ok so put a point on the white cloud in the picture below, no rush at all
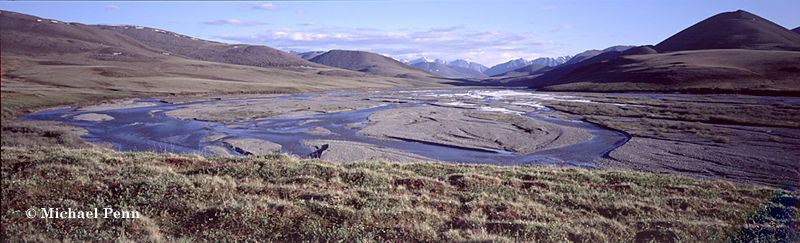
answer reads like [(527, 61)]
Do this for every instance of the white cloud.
[(447, 29), (266, 6), (485, 47), (112, 7), (300, 11), (308, 24), (234, 22)]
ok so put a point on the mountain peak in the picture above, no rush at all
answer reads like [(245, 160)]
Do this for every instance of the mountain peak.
[(732, 30)]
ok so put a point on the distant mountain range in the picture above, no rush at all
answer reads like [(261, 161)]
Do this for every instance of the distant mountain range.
[(425, 59), (371, 63), (729, 52), (448, 71), (307, 55), (467, 64), (732, 52), (512, 65)]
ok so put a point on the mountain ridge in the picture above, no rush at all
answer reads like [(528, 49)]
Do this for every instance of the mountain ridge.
[(732, 30), (240, 54), (448, 70), (371, 63), (763, 64)]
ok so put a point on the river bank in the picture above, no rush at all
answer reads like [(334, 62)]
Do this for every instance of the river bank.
[(671, 133)]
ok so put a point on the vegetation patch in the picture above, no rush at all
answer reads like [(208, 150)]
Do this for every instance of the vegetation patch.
[(276, 198)]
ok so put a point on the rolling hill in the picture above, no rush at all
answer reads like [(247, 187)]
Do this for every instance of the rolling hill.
[(527, 70), (732, 30), (372, 63), (49, 62), (250, 55), (749, 55)]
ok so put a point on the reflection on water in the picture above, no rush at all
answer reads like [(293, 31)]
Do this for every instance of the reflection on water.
[(149, 129)]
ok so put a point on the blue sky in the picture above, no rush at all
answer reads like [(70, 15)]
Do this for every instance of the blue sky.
[(487, 32)]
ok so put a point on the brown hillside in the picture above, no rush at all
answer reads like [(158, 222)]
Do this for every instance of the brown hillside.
[(49, 62), (250, 55), (701, 71), (527, 70), (30, 35), (371, 63), (732, 30), (728, 53)]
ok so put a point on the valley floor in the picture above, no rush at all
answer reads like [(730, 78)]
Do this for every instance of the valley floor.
[(748, 140)]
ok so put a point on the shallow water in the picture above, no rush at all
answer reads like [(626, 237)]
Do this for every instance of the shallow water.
[(149, 129)]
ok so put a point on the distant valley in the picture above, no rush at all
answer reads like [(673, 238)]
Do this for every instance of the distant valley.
[(750, 55)]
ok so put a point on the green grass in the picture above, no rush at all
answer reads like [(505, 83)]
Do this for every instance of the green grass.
[(276, 198)]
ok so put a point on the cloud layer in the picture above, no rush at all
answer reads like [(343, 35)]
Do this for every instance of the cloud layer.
[(266, 6), (450, 43), (234, 22)]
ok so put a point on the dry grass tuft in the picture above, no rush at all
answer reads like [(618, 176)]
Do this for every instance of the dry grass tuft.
[(276, 198)]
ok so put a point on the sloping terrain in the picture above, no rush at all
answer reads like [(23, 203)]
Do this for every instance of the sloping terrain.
[(307, 55), (527, 70), (250, 55), (743, 53), (449, 71), (372, 63), (701, 71), (732, 30), (467, 64), (49, 62)]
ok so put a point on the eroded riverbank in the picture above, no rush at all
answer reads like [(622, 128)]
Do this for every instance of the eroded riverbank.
[(743, 139), (502, 127)]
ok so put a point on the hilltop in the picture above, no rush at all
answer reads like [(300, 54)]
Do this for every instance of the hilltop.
[(749, 55), (173, 43), (48, 62), (372, 63)]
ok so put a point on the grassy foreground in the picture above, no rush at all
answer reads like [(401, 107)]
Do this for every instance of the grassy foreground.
[(276, 198)]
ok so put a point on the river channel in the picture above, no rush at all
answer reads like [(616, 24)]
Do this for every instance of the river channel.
[(151, 128)]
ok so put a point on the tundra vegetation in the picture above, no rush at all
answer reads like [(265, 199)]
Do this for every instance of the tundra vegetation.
[(278, 198)]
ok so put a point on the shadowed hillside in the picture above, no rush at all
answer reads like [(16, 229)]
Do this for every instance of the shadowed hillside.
[(732, 30), (527, 70), (30, 35), (371, 63), (730, 52), (449, 71)]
